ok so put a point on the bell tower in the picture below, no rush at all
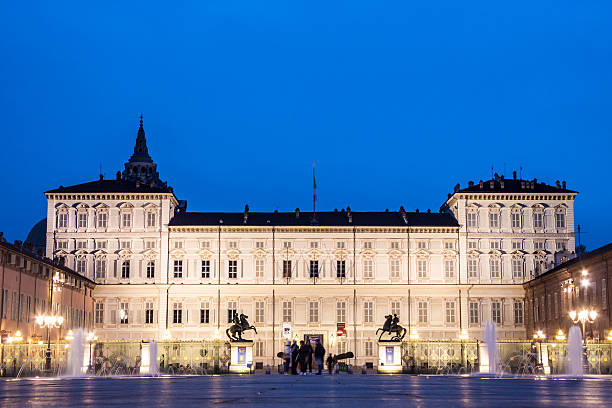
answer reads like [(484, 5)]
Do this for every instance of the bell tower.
[(140, 167)]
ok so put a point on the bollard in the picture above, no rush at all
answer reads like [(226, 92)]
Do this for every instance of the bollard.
[(267, 368)]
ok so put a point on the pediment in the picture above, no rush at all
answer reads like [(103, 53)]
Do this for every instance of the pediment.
[(394, 253), (368, 253), (205, 254), (125, 252), (149, 253), (99, 252), (449, 252), (233, 254), (422, 253)]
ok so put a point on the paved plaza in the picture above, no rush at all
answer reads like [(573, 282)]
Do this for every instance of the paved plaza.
[(307, 391)]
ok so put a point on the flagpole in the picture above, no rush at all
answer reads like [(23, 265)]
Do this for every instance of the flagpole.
[(314, 195)]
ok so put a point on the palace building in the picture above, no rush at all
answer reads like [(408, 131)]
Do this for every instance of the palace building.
[(164, 272)]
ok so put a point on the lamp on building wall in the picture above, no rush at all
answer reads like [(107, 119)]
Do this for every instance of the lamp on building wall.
[(463, 335), (414, 335), (560, 336), (166, 336), (610, 335)]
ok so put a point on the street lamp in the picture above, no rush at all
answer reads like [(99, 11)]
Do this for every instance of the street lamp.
[(583, 317), (91, 338), (560, 336), (49, 321), (539, 336)]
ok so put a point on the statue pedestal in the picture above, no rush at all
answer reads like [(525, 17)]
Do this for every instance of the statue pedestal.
[(241, 360), (389, 357)]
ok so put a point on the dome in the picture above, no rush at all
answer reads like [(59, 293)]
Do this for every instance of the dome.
[(37, 236)]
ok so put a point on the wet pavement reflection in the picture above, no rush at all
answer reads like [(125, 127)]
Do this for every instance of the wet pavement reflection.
[(307, 391)]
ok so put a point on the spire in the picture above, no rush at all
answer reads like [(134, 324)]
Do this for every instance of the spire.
[(141, 153), (141, 168)]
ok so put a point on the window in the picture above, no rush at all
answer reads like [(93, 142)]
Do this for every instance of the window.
[(517, 268), (494, 220), (604, 294), (517, 245), (367, 245), (81, 266), (368, 268), (102, 220), (126, 220), (15, 306), (314, 245), (396, 307), (538, 220), (178, 268), (472, 267), (259, 244), (100, 268), (259, 312), (125, 244), (259, 268), (62, 220), (561, 246), (99, 313), (515, 219), (518, 312), (204, 313), (560, 220), (205, 268), (341, 311), (151, 219), (259, 349), (340, 245), (472, 245), (101, 244), (178, 244), (233, 244), (422, 268), (474, 313), (496, 312), (340, 269), (286, 244), (232, 269), (287, 311), (495, 272), (177, 313), (231, 311), (148, 312), (125, 270), (123, 313), (204, 244), (150, 270), (449, 268), (286, 268), (449, 245), (494, 245), (395, 268), (538, 245), (368, 348), (394, 245), (313, 312), (450, 312), (422, 312), (556, 307), (368, 311), (150, 245), (314, 269), (82, 220), (472, 219), (62, 244), (421, 244)]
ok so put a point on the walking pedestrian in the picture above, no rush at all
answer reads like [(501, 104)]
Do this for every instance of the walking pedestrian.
[(330, 363), (319, 354)]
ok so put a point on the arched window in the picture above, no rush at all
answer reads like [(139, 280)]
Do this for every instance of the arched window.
[(125, 269), (150, 270)]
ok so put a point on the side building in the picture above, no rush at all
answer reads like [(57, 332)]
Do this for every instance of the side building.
[(163, 272)]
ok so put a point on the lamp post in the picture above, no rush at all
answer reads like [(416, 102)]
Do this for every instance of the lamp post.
[(49, 321), (583, 316), (91, 338), (539, 336)]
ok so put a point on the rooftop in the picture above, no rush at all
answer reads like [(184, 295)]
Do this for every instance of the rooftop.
[(499, 184), (110, 186)]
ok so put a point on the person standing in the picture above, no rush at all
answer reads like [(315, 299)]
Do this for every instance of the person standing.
[(319, 354), (302, 357), (330, 363), (287, 357), (294, 357), (309, 352)]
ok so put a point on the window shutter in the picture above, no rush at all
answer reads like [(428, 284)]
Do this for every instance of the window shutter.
[(113, 314), (115, 268), (140, 268), (242, 268)]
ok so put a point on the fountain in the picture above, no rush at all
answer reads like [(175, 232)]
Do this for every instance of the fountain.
[(153, 365), (490, 338), (75, 355), (574, 352)]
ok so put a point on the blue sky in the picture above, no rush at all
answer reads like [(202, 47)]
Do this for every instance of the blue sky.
[(395, 101)]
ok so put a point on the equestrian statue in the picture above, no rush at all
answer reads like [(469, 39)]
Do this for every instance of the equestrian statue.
[(392, 327), (240, 325)]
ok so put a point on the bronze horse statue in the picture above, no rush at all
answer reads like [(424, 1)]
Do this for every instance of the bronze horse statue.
[(391, 326), (234, 332)]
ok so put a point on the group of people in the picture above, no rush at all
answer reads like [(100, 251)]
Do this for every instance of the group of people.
[(300, 358)]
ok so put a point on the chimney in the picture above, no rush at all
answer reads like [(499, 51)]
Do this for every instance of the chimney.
[(2, 237), (429, 211), (522, 184), (297, 213), (417, 210), (481, 184), (457, 188), (403, 214), (470, 183), (449, 195), (558, 184), (514, 174), (563, 183), (349, 214), (118, 175), (496, 177), (492, 184), (246, 214), (101, 176), (501, 183), (335, 210)]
